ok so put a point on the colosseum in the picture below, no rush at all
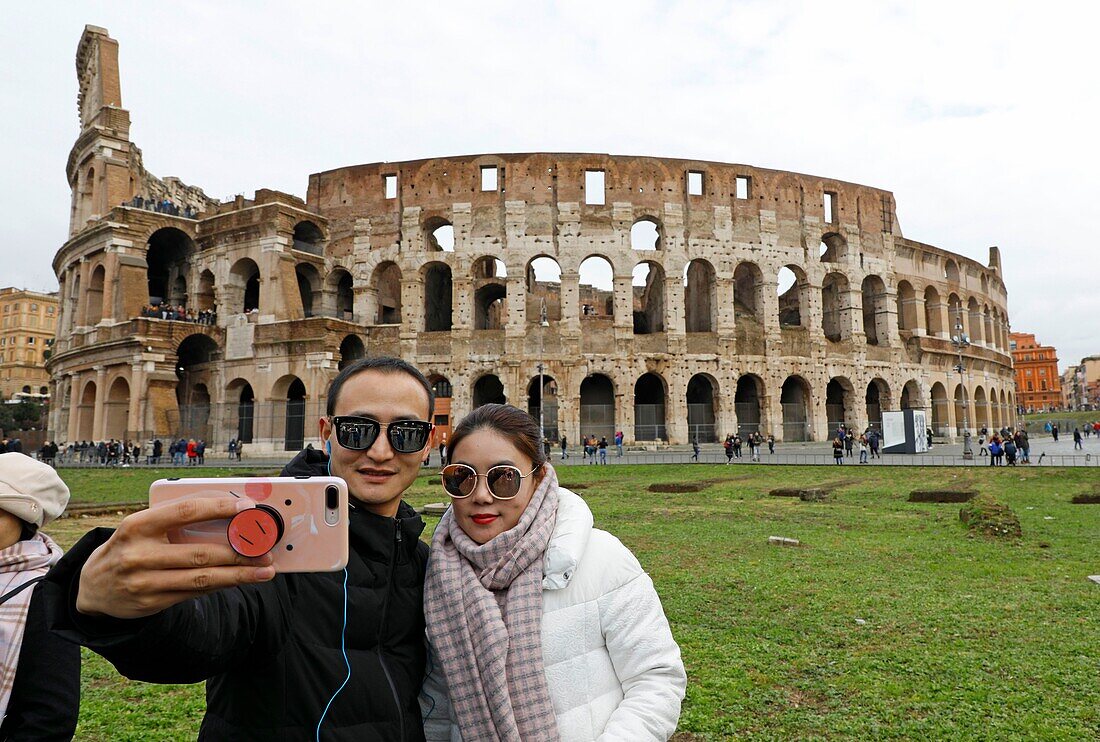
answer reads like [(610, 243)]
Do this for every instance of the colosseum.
[(670, 299)]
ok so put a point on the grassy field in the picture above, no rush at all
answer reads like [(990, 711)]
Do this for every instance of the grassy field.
[(1066, 420), (889, 622)]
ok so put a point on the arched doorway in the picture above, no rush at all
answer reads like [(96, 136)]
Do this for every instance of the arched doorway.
[(239, 393), (351, 350), (437, 297), (911, 396), (308, 238), (94, 302), (962, 409), (700, 408), (168, 256), (194, 358), (878, 398), (116, 410), (875, 327), (648, 298), (839, 407), (243, 289), (596, 288), (488, 390), (981, 409), (748, 404), (309, 288), (699, 291), (543, 285), (940, 410), (793, 291), (649, 408), (386, 281), (295, 437), (794, 398), (834, 307), (85, 413), (597, 407)]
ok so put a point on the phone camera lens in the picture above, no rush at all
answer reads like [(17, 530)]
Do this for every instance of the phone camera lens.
[(332, 498)]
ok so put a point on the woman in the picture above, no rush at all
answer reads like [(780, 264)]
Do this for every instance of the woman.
[(541, 626)]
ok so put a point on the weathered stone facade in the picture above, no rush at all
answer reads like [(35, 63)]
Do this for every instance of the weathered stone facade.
[(447, 262)]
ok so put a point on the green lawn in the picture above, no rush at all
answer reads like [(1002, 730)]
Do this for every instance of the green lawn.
[(889, 622)]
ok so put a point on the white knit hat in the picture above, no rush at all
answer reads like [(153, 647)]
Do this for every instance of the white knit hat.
[(30, 490)]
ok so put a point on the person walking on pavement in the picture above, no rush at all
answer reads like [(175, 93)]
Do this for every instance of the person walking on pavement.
[(695, 449)]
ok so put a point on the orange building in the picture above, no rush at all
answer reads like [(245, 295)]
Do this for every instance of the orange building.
[(1038, 385)]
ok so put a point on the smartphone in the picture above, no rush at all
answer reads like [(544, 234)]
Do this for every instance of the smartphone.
[(301, 521)]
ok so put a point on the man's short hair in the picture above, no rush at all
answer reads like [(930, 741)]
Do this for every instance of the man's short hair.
[(385, 364)]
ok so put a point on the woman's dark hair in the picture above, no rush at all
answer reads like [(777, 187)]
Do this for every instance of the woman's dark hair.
[(519, 428), (385, 364)]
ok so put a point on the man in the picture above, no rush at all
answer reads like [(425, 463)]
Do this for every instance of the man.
[(270, 646), (695, 448)]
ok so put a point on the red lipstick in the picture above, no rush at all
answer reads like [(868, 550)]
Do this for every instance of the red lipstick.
[(483, 519)]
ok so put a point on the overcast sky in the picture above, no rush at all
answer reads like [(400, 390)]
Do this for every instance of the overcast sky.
[(980, 117)]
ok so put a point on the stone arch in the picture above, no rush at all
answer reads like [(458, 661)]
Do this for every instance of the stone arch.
[(597, 288), (955, 315), (650, 396), (648, 297), (797, 402), (877, 399), (911, 398), (94, 301), (951, 270), (438, 312), (700, 286), (543, 285), (85, 413), (488, 389), (987, 322), (646, 234), (748, 291), (547, 398), (351, 350), (835, 320), (308, 237), (702, 412), (195, 357), (490, 293), (289, 392), (239, 394), (340, 294), (793, 290), (748, 404), (598, 413), (309, 288), (907, 306), (974, 321), (833, 248), (875, 325), (206, 295), (933, 314), (839, 403), (243, 287), (386, 282), (116, 410), (940, 410), (168, 256), (981, 409), (439, 235)]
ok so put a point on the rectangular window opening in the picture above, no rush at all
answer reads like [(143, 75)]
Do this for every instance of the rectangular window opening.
[(828, 202), (489, 178), (594, 187), (695, 183), (744, 189), (390, 182)]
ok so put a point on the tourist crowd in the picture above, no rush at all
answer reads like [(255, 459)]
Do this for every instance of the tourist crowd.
[(161, 206), (180, 314)]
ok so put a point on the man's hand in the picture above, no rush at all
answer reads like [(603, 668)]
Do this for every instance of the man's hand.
[(137, 572)]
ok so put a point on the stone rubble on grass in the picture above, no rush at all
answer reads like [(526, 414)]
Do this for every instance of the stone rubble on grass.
[(1095, 578), (861, 621), (783, 541)]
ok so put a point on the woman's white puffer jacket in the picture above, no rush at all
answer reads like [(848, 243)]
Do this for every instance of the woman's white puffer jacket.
[(613, 669)]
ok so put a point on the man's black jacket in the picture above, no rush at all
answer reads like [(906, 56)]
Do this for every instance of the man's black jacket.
[(271, 652)]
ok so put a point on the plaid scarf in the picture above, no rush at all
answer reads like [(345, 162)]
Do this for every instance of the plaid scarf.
[(19, 563), (483, 608)]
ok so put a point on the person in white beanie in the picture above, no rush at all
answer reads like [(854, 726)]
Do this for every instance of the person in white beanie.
[(39, 671)]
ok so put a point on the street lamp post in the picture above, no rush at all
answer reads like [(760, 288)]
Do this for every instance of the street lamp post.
[(960, 341), (543, 324)]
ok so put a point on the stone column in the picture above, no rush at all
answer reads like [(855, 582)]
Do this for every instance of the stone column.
[(99, 419), (676, 413), (570, 308), (74, 406)]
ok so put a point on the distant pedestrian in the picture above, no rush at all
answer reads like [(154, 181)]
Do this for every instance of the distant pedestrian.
[(1077, 439), (849, 444), (619, 442), (602, 445), (564, 448), (771, 443), (928, 433), (727, 445), (695, 449), (863, 449), (1010, 451), (995, 451), (981, 446), (838, 450), (737, 443)]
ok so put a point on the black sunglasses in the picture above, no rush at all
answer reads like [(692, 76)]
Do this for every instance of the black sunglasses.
[(504, 481), (360, 433)]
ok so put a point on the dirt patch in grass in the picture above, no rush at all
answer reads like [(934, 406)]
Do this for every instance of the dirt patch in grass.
[(812, 492), (1086, 498), (942, 495), (987, 517), (677, 487)]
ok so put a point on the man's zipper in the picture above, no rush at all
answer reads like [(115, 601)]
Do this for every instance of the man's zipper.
[(382, 627)]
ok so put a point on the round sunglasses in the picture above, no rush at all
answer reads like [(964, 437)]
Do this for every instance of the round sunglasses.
[(504, 481), (360, 433)]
